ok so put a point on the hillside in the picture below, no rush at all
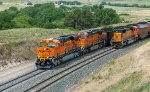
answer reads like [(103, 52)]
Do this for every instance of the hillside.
[(129, 73), (140, 2), (20, 44), (45, 1), (84, 1)]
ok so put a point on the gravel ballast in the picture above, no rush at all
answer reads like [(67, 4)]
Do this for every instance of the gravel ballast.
[(69, 81), (75, 77)]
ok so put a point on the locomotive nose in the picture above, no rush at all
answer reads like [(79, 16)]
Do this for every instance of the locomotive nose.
[(44, 53)]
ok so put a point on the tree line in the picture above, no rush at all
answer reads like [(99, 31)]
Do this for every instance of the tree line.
[(69, 3), (49, 16), (125, 5)]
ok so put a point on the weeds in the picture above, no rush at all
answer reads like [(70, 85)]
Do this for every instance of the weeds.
[(112, 62), (97, 77), (22, 42), (127, 84), (144, 88)]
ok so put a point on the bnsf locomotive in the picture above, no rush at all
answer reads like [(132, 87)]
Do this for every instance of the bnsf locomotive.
[(125, 35), (54, 51)]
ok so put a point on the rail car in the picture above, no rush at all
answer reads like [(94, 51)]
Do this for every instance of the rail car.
[(54, 51), (125, 35)]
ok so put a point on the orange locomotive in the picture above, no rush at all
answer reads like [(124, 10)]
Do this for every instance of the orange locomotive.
[(54, 51), (128, 34), (90, 40)]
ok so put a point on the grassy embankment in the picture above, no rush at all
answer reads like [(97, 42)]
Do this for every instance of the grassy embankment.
[(140, 2), (21, 43), (132, 14), (11, 1), (129, 73), (20, 39)]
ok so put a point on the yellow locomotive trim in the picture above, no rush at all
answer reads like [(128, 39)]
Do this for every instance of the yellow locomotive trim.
[(43, 58), (117, 37)]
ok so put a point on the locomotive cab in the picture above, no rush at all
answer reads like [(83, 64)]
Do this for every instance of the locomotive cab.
[(83, 39), (119, 37), (46, 51), (52, 52)]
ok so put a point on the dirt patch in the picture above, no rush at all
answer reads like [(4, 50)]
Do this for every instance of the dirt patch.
[(9, 56), (124, 74), (137, 12)]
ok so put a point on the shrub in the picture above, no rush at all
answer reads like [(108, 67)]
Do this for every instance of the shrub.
[(1, 3)]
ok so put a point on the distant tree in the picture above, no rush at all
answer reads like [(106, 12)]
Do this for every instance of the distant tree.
[(48, 16), (6, 17), (103, 3), (13, 9), (1, 3), (80, 19), (21, 21), (106, 16), (97, 7), (29, 3), (87, 19), (135, 5), (64, 9)]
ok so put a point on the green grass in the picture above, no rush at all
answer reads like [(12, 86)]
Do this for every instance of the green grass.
[(125, 8), (11, 1), (128, 84), (16, 36), (143, 88), (130, 15), (140, 2)]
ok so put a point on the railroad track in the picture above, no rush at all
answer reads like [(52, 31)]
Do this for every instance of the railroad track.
[(19, 79), (51, 80), (40, 86)]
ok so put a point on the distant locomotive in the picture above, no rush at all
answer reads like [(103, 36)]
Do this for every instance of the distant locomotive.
[(52, 52), (128, 34)]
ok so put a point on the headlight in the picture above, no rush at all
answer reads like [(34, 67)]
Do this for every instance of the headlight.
[(47, 57)]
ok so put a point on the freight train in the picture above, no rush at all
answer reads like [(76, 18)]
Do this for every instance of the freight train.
[(54, 51)]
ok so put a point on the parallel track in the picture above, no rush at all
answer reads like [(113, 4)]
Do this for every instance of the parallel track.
[(20, 79), (53, 79), (62, 74)]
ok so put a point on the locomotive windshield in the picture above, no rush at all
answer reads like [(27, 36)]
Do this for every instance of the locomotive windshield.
[(51, 44), (42, 44), (83, 36)]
